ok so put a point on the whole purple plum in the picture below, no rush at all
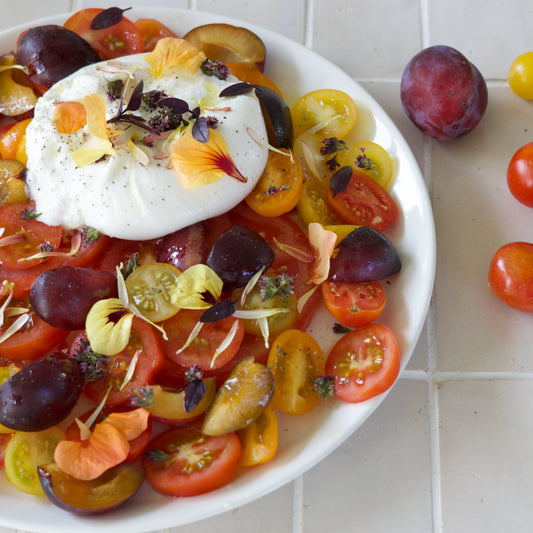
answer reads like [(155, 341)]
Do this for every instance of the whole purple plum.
[(443, 93)]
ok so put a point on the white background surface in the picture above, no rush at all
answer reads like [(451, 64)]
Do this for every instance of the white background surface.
[(449, 450)]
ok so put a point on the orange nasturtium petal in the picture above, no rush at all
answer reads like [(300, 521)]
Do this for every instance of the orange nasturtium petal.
[(107, 446), (323, 243), (174, 53), (197, 163), (69, 117)]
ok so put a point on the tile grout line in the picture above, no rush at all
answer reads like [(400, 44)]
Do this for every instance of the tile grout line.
[(298, 505)]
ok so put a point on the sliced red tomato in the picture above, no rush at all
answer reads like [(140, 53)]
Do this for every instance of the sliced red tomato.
[(118, 40), (365, 362), (184, 462), (143, 339), (152, 30), (137, 445), (295, 361), (33, 340), (364, 202), (202, 350), (121, 250), (29, 234), (354, 304)]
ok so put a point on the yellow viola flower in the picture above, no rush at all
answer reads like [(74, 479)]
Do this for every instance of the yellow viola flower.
[(172, 53), (192, 286)]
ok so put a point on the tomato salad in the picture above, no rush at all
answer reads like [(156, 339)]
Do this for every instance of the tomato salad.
[(184, 394)]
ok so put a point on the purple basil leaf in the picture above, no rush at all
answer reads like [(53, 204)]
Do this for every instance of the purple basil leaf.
[(193, 394), (131, 119), (339, 181), (176, 105), (237, 89), (195, 113), (219, 311), (108, 17), (200, 130), (136, 97)]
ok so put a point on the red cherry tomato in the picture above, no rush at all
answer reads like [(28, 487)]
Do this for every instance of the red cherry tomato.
[(354, 304), (184, 462), (364, 203), (365, 362), (511, 275), (33, 235), (144, 338), (118, 40), (202, 350), (520, 175), (152, 30)]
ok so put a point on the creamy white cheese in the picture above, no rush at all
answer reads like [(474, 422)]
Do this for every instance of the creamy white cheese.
[(120, 196)]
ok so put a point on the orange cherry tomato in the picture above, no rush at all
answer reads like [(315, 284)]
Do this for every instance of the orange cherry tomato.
[(278, 190), (259, 440), (295, 361), (10, 140), (364, 363), (354, 304), (118, 40), (152, 30)]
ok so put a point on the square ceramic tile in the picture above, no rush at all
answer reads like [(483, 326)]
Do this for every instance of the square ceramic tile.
[(474, 215), (367, 39), (490, 34), (486, 430), (379, 480)]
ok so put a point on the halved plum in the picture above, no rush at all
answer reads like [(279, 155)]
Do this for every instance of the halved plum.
[(228, 43), (101, 495)]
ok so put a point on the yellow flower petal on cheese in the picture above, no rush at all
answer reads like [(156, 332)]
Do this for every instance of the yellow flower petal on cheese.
[(91, 151), (197, 163), (173, 53)]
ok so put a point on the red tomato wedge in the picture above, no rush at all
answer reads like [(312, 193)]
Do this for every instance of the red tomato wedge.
[(152, 30), (184, 462), (118, 40), (364, 202), (365, 362)]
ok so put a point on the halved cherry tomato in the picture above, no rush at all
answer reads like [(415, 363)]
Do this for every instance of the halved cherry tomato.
[(25, 451), (520, 175), (203, 349), (33, 340), (120, 250), (313, 204), (278, 190), (10, 140), (371, 158), (365, 362), (259, 440), (328, 112), (185, 462), (354, 304), (137, 445), (511, 275), (295, 361), (152, 30), (364, 203), (307, 149), (250, 73), (118, 40), (150, 288), (144, 339), (33, 235)]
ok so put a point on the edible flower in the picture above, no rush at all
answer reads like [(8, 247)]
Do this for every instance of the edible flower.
[(200, 163), (197, 288), (323, 243), (69, 117), (105, 447), (172, 53), (98, 143)]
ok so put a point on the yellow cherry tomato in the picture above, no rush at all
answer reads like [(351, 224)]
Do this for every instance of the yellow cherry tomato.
[(328, 112), (295, 361), (279, 188), (307, 150), (259, 440), (313, 204), (371, 158), (520, 76)]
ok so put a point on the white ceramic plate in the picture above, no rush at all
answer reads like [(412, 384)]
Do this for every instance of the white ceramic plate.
[(305, 440)]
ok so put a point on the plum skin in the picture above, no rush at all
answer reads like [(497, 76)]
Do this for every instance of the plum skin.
[(442, 93)]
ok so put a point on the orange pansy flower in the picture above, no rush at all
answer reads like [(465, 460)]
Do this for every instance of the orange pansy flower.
[(69, 117)]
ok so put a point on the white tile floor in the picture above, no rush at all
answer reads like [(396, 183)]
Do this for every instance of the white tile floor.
[(449, 451)]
